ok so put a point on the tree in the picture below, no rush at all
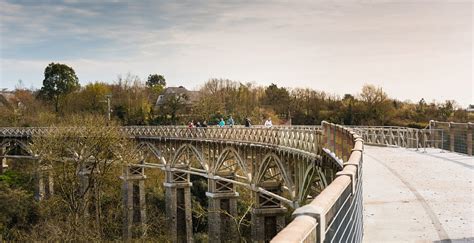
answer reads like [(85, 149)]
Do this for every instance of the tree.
[(59, 80), (377, 105), (277, 98), (173, 104), (156, 81), (84, 163)]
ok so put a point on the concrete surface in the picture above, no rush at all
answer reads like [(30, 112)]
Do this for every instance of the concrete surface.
[(416, 196)]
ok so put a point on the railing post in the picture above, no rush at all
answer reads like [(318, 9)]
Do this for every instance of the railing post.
[(133, 193), (178, 206), (451, 137), (221, 210), (469, 138)]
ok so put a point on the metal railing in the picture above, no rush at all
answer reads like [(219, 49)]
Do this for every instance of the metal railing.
[(302, 138), (335, 215), (455, 137)]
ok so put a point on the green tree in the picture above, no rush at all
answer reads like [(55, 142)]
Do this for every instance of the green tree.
[(59, 80), (156, 82), (278, 99)]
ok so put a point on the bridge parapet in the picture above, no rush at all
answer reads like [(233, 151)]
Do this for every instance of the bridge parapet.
[(335, 215), (304, 138), (455, 137)]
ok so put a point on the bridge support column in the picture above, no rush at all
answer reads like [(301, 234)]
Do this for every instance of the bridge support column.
[(178, 206), (268, 217), (3, 162), (44, 183), (133, 192), (222, 207)]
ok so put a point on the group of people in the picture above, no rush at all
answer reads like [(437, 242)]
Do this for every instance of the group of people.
[(230, 122)]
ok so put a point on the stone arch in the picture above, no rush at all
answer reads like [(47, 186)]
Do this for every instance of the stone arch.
[(192, 150), (313, 181), (221, 159), (10, 144), (145, 146), (272, 168)]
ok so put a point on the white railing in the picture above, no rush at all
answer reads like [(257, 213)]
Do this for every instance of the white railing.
[(455, 137)]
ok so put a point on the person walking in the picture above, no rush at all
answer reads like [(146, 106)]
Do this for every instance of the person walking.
[(247, 122), (268, 123), (221, 123), (230, 122), (204, 124)]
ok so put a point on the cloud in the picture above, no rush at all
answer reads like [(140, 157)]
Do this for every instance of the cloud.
[(336, 46)]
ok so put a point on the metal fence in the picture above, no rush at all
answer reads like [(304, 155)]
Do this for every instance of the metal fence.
[(336, 214), (455, 137)]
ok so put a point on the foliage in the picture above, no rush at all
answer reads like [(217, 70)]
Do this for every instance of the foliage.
[(59, 80), (97, 152)]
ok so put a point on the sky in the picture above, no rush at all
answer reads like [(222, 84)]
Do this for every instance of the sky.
[(412, 49)]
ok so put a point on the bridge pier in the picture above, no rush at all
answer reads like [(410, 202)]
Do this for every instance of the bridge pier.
[(44, 183), (133, 192), (268, 216), (3, 163), (178, 206), (222, 208)]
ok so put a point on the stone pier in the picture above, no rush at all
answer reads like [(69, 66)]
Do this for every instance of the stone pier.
[(133, 192), (178, 206), (222, 210), (44, 183), (268, 216)]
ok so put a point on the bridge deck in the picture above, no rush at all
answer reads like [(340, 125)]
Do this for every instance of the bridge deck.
[(412, 196)]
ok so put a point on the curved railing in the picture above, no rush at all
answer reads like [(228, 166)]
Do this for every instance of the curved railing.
[(455, 137), (302, 138), (335, 215)]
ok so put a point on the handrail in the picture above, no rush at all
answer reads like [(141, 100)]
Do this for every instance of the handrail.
[(455, 137), (302, 138), (336, 213)]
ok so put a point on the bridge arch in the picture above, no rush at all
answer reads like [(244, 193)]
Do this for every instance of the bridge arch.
[(8, 145), (239, 162), (272, 168), (188, 149)]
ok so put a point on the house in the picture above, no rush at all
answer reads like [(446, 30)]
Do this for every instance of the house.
[(470, 108), (189, 97)]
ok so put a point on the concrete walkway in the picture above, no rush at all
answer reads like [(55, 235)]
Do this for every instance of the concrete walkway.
[(412, 196)]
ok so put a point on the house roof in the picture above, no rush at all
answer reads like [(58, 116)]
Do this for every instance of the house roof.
[(192, 95)]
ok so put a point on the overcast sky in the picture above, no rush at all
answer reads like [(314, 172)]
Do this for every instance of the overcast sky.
[(412, 49)]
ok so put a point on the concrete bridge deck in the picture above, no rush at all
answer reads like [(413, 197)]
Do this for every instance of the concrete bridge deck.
[(415, 196)]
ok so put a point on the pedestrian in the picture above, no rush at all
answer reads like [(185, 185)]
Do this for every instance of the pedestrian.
[(198, 124), (268, 123), (221, 123), (191, 124), (204, 124), (230, 122), (247, 122)]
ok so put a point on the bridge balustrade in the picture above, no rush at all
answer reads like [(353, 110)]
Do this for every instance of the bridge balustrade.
[(335, 215), (455, 137)]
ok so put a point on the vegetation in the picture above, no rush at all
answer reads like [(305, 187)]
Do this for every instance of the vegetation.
[(133, 102), (91, 208)]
